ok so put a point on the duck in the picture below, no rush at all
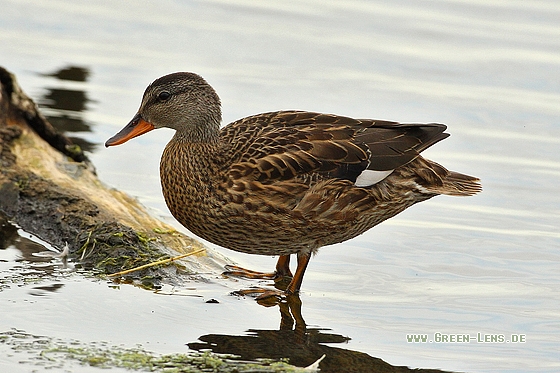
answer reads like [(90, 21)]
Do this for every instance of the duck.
[(285, 182)]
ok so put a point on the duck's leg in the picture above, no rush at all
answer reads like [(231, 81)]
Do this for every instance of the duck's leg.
[(293, 287), (295, 284), (282, 270), (283, 266)]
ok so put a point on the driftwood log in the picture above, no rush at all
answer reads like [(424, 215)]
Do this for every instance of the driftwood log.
[(49, 188)]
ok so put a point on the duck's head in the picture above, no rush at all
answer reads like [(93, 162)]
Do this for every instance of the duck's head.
[(182, 101)]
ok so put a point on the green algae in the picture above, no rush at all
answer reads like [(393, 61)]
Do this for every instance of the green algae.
[(112, 248), (51, 353)]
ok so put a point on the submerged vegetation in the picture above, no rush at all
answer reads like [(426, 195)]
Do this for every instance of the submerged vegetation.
[(53, 353)]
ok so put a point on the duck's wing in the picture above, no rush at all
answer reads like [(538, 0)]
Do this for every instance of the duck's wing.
[(306, 146)]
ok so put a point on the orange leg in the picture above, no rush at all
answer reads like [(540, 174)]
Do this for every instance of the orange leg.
[(283, 266), (282, 270), (295, 284)]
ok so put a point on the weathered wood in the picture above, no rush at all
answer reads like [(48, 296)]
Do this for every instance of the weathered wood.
[(49, 188)]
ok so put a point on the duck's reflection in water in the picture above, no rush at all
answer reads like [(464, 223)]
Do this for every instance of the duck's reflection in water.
[(302, 346)]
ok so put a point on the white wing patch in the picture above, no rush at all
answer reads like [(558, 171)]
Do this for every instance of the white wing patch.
[(370, 177)]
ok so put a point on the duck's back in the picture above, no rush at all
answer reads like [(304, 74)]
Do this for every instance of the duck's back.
[(333, 141)]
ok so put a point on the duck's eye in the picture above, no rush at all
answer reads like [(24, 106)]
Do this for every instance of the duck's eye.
[(164, 96)]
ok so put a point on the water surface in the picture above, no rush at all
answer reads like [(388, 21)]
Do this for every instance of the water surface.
[(482, 265)]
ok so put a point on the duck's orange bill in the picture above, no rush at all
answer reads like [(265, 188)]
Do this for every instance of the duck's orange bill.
[(136, 127)]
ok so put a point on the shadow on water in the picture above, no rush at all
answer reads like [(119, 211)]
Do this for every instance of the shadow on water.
[(302, 346), (64, 107), (19, 249), (10, 238)]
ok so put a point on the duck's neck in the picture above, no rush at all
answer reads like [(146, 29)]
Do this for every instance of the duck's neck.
[(199, 133)]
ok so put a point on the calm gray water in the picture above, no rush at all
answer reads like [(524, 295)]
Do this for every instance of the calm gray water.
[(489, 69)]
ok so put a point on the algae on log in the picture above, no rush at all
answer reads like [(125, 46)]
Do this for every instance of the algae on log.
[(49, 188)]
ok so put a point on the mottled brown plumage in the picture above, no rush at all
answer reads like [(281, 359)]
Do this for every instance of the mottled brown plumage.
[(286, 182)]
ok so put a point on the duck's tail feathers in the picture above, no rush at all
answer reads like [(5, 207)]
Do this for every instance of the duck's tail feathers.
[(436, 179), (456, 184)]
